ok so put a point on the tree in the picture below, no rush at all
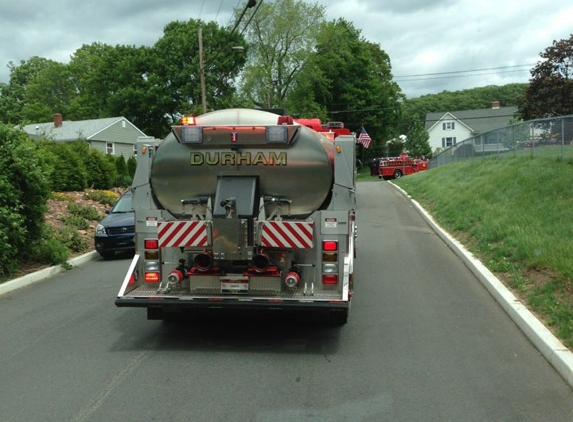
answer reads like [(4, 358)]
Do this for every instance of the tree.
[(12, 95), (350, 78), (550, 91), (417, 142), (175, 69), (281, 36), (49, 92)]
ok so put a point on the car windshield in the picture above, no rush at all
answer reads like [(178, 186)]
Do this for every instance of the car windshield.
[(123, 204)]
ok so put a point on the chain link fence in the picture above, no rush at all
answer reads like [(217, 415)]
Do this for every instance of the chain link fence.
[(552, 137)]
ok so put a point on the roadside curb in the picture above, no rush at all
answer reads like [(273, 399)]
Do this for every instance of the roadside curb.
[(555, 352), (44, 274)]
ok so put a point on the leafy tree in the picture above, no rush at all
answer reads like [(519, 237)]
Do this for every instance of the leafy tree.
[(350, 78), (50, 91), (113, 81), (281, 36), (417, 142), (175, 68), (12, 95), (24, 190), (550, 91)]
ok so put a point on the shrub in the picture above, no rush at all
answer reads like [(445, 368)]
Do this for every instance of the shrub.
[(131, 166), (75, 221), (49, 249), (68, 170), (106, 197), (70, 237), (101, 173), (88, 213), (24, 190)]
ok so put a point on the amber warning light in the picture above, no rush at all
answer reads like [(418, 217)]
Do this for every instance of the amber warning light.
[(188, 121)]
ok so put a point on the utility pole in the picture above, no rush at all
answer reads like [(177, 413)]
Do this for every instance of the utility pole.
[(202, 72)]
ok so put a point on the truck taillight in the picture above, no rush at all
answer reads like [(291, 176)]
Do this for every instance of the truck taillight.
[(151, 244), (151, 273), (329, 245), (329, 278), (330, 262), (152, 277)]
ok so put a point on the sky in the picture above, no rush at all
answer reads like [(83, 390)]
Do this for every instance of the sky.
[(433, 45)]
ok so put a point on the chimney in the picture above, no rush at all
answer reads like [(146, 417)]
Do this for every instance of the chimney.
[(495, 105), (57, 120)]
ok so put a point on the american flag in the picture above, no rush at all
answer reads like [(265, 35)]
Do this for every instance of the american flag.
[(364, 138)]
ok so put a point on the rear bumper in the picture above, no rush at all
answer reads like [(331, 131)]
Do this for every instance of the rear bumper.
[(175, 304)]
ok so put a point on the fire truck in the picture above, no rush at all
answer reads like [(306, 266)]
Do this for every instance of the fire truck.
[(243, 209), (396, 167)]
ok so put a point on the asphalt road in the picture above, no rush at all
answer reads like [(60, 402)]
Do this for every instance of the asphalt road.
[(424, 342)]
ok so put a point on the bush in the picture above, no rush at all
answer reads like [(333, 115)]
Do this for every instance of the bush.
[(70, 237), (68, 171), (24, 190), (101, 173), (106, 197), (89, 213), (131, 166), (50, 249)]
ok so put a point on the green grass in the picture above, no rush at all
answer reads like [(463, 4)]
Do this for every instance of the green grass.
[(516, 215)]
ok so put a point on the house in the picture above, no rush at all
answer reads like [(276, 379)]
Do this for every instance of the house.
[(113, 135), (450, 128)]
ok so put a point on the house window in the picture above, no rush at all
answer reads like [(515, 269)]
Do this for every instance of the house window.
[(448, 125), (109, 148), (448, 142)]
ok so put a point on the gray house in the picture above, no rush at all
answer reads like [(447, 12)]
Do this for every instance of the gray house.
[(113, 135), (450, 128)]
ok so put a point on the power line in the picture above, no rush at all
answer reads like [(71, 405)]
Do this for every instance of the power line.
[(465, 73)]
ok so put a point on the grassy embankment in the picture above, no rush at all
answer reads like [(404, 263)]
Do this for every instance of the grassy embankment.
[(516, 216)]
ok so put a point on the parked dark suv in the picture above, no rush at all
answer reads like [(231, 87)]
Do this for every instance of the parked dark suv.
[(116, 231)]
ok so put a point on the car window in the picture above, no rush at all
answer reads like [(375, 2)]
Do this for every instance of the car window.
[(123, 204)]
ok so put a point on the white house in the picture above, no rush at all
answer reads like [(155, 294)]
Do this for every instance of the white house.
[(452, 127), (113, 135)]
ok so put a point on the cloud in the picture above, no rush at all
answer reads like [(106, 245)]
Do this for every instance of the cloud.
[(421, 37)]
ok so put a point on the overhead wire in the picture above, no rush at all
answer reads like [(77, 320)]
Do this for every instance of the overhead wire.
[(464, 73)]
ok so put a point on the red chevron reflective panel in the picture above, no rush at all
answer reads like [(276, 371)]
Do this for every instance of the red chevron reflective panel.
[(174, 234), (287, 234)]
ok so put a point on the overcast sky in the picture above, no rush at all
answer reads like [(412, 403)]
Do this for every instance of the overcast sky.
[(433, 45)]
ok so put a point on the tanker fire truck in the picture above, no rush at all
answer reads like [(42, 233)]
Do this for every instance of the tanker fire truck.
[(243, 209), (396, 167)]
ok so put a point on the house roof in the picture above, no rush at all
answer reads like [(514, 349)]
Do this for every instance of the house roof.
[(478, 121), (72, 130)]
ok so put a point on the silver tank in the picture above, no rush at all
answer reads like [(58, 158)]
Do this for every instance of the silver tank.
[(305, 177)]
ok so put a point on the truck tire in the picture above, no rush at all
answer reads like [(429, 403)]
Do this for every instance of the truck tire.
[(398, 174)]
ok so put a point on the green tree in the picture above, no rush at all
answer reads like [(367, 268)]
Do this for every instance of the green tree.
[(50, 91), (24, 190), (175, 68), (417, 142), (550, 91), (113, 81), (12, 95), (281, 37), (350, 78)]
